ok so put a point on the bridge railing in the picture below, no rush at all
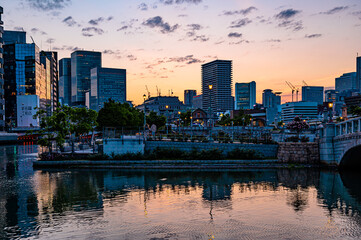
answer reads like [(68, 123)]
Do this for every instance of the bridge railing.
[(347, 127)]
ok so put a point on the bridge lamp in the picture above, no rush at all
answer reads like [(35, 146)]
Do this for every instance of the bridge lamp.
[(210, 87), (330, 105)]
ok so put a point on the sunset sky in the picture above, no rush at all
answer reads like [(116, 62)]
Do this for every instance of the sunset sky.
[(164, 42)]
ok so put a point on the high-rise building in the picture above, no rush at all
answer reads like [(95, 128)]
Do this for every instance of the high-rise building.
[(245, 95), (65, 81), (198, 101), (358, 73), (54, 77), (188, 97), (271, 102), (2, 97), (11, 37), (346, 82), (270, 99), (304, 110), (107, 83), (81, 64), (312, 94), (331, 95), (217, 86), (25, 75)]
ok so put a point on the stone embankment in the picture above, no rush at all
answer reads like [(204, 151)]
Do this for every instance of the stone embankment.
[(302, 153)]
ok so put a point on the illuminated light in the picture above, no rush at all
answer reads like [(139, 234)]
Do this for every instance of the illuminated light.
[(210, 87)]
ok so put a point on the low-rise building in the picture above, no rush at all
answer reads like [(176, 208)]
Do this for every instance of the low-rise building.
[(305, 110)]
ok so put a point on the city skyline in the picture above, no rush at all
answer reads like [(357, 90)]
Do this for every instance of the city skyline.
[(269, 43)]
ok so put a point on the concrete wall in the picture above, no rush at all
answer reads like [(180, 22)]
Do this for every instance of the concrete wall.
[(267, 150), (122, 146), (304, 153)]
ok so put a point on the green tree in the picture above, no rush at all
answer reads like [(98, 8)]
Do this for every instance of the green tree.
[(355, 110), (117, 115), (186, 117), (158, 120)]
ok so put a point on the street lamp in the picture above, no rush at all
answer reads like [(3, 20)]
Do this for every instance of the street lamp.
[(210, 111), (145, 120), (166, 107)]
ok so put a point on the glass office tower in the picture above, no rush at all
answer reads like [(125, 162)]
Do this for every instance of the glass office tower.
[(312, 94), (65, 81), (81, 64), (24, 75), (245, 95), (2, 99), (11, 37), (107, 83), (54, 77), (188, 97)]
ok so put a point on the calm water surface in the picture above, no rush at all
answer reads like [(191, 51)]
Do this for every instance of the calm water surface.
[(258, 204)]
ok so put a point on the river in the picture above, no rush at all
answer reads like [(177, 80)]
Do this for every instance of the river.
[(139, 204)]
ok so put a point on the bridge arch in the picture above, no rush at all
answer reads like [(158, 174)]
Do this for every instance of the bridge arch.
[(352, 158)]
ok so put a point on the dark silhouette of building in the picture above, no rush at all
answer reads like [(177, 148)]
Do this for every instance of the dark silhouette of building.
[(65, 81), (2, 97), (188, 97)]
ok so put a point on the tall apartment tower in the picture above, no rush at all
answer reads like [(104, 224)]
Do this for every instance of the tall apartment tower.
[(188, 97), (245, 95), (217, 86), (65, 81), (2, 97), (81, 64), (107, 83)]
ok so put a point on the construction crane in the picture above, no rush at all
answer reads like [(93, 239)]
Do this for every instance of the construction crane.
[(157, 91), (294, 89), (146, 87), (305, 83)]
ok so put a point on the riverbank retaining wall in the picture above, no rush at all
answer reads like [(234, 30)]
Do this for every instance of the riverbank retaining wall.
[(267, 150), (304, 153)]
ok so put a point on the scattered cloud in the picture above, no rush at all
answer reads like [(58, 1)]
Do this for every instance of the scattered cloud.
[(335, 10), (18, 28), (127, 25), (99, 20), (286, 18), (182, 15), (37, 31), (357, 14), (157, 22), (50, 40), (70, 22), (66, 48), (287, 14), (240, 12), (234, 35), (274, 40), (172, 2), (143, 7), (318, 35), (48, 5), (189, 59), (240, 23), (131, 57), (90, 31)]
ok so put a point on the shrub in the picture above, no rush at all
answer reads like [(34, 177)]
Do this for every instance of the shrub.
[(292, 139), (304, 139), (245, 154)]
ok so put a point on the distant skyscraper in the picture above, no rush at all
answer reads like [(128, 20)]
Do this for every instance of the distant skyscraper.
[(107, 83), (54, 77), (347, 82), (81, 64), (245, 95), (271, 102), (270, 99), (2, 97), (312, 94), (188, 97), (331, 95), (25, 75), (11, 37), (198, 101), (358, 73), (217, 86), (65, 81)]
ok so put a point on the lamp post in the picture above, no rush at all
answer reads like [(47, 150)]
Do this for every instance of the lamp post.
[(166, 115), (145, 120), (330, 110), (210, 87)]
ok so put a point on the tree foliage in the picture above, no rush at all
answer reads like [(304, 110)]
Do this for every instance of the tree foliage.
[(298, 125), (239, 120), (355, 110), (158, 120), (186, 117), (117, 115), (63, 123)]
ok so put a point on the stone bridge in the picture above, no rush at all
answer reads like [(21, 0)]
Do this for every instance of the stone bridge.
[(340, 143)]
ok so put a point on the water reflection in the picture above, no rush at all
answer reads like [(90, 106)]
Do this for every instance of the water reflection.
[(285, 203)]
